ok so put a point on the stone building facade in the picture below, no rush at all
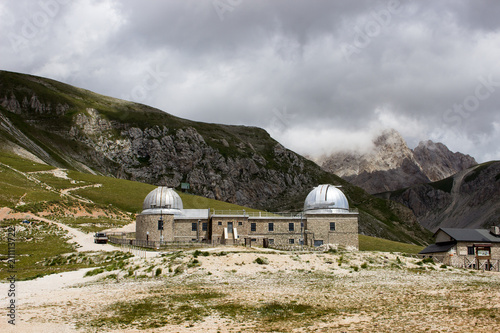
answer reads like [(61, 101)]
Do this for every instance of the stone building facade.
[(326, 219), (468, 248)]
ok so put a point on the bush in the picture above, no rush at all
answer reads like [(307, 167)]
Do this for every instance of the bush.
[(94, 272), (158, 272), (364, 265)]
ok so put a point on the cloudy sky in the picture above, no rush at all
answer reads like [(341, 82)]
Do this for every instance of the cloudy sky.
[(319, 75)]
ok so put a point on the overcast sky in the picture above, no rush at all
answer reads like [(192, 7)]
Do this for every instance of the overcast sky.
[(320, 76)]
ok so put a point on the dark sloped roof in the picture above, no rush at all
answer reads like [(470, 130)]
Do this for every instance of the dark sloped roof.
[(440, 247), (471, 235)]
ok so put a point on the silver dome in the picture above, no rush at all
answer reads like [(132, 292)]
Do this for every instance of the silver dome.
[(162, 200), (326, 199)]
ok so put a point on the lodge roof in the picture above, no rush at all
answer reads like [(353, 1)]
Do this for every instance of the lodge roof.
[(470, 235)]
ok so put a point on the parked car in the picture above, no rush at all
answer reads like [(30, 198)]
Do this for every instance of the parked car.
[(100, 237)]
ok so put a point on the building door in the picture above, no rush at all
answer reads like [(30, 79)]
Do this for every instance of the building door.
[(229, 227)]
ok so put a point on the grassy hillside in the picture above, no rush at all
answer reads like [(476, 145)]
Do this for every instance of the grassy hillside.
[(368, 243), (36, 189)]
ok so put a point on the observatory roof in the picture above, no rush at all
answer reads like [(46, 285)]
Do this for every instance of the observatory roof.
[(162, 200), (326, 199)]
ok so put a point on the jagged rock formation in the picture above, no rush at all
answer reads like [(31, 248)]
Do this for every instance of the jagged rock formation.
[(469, 199), (77, 129), (392, 165)]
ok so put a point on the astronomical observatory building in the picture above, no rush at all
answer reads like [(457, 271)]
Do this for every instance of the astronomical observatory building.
[(326, 219)]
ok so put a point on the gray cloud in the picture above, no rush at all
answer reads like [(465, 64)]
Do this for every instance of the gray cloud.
[(332, 71)]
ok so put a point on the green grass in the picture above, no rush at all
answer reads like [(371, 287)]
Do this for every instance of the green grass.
[(93, 224), (444, 185), (32, 247), (368, 243), (22, 164)]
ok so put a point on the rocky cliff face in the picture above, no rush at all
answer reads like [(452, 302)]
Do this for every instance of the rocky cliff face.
[(392, 164), (469, 199), (438, 162)]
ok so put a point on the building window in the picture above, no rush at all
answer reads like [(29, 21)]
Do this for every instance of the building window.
[(318, 242), (291, 226), (194, 226), (271, 241), (470, 250), (254, 239), (271, 226), (240, 223), (291, 241), (332, 226), (253, 226), (204, 226), (219, 223)]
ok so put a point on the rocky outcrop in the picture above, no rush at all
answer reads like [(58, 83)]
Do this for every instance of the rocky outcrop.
[(438, 162), (392, 165)]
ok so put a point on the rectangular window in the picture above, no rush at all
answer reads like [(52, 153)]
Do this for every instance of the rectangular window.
[(271, 241), (332, 226), (270, 226), (253, 226), (470, 250), (240, 223), (291, 226), (291, 241), (254, 239), (204, 226), (318, 242), (219, 223), (194, 226)]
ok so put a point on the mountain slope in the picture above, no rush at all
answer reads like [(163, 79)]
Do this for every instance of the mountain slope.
[(392, 165), (469, 199), (76, 129)]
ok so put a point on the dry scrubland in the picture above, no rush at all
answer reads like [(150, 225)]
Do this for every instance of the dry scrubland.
[(239, 290)]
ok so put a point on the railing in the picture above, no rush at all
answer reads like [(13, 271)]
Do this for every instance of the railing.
[(251, 214), (159, 244), (296, 248), (468, 262), (267, 214)]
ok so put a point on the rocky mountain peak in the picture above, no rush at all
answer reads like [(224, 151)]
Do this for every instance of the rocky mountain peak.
[(391, 164)]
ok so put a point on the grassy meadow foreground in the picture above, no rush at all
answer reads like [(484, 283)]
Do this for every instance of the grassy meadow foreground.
[(252, 290)]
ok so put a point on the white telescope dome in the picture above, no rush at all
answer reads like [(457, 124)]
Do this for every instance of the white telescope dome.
[(162, 200), (326, 199)]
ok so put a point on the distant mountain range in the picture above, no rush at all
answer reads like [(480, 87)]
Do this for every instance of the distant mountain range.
[(73, 128), (468, 199), (392, 165)]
